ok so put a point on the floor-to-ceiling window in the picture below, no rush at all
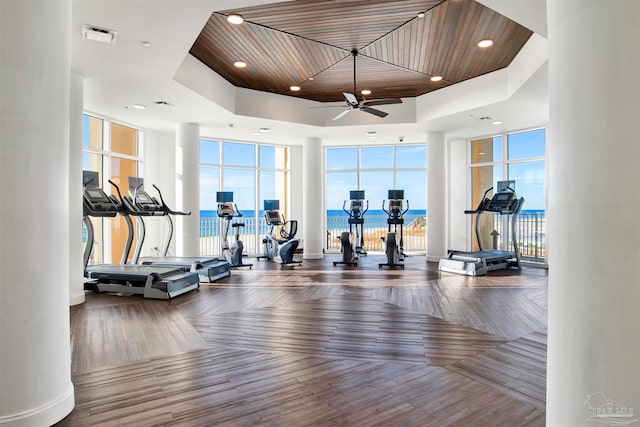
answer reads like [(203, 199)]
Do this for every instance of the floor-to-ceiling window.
[(113, 150), (376, 170), (254, 173), (518, 156)]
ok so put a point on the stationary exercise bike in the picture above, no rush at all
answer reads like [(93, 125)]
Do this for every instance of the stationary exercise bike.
[(395, 219), (227, 210), (279, 249), (352, 241)]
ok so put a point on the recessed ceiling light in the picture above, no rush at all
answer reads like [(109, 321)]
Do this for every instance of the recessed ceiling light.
[(421, 15), (310, 78), (256, 133), (294, 88), (436, 78), (365, 92), (235, 18), (146, 44), (139, 106), (485, 43), (240, 64), (496, 122), (264, 130)]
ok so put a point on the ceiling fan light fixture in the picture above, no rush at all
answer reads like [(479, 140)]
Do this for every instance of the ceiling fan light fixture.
[(294, 88), (485, 43), (365, 92), (239, 64), (235, 19), (436, 78)]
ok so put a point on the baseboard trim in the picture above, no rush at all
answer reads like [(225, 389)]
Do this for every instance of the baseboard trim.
[(44, 415)]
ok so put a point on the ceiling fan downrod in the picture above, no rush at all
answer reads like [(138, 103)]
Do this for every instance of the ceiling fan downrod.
[(354, 53)]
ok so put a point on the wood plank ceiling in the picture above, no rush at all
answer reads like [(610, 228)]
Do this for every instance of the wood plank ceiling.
[(309, 42)]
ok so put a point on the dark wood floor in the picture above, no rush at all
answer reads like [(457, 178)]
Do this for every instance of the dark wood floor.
[(318, 345)]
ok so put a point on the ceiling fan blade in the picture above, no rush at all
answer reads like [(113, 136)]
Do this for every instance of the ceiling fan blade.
[(374, 111), (351, 98), (341, 114), (383, 102)]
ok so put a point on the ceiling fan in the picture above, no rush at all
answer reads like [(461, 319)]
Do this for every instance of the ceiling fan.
[(363, 105)]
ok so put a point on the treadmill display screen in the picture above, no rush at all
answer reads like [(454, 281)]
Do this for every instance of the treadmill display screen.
[(273, 217), (97, 195)]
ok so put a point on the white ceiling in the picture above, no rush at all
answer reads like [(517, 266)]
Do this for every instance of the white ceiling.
[(116, 76)]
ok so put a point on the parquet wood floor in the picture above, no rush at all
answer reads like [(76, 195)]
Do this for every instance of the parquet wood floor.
[(317, 345)]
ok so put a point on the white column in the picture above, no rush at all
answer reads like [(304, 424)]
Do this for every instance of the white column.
[(312, 227), (160, 169), (594, 200), (296, 188), (436, 196), (188, 189), (458, 198), (76, 248), (35, 372)]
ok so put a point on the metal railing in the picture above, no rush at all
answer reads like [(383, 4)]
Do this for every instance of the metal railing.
[(210, 236), (530, 229), (375, 227), (531, 235)]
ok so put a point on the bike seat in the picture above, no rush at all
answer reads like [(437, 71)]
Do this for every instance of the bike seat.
[(237, 224)]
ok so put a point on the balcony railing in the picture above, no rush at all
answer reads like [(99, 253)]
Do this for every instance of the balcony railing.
[(531, 235), (375, 227), (530, 229)]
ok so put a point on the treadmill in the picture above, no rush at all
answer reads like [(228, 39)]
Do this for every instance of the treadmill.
[(141, 204), (149, 281), (478, 263)]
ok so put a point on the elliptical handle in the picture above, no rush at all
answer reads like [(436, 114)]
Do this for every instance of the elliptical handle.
[(406, 210), (344, 208), (385, 211), (238, 213), (366, 209)]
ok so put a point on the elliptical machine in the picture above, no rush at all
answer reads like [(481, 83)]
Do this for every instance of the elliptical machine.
[(227, 210), (394, 248), (284, 248), (352, 241)]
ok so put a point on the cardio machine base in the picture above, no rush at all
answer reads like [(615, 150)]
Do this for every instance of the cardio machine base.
[(150, 281), (395, 254), (209, 269), (478, 263)]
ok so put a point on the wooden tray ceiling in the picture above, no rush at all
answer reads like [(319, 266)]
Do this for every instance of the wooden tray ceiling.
[(285, 44)]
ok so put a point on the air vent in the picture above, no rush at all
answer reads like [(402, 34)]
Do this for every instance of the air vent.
[(99, 34)]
